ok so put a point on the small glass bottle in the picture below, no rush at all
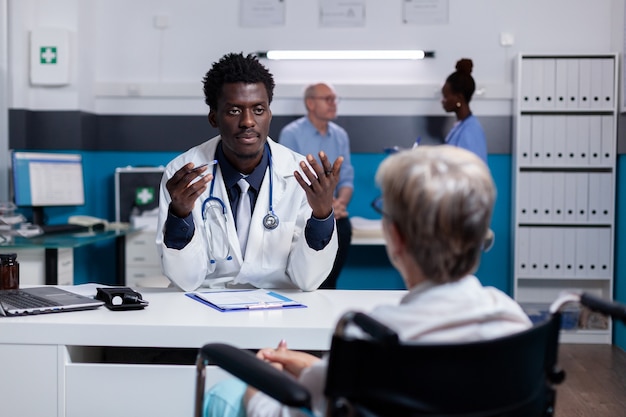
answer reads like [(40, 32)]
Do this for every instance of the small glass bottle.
[(9, 271)]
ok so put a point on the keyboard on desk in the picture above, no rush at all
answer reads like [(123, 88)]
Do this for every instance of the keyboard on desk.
[(50, 229), (22, 299)]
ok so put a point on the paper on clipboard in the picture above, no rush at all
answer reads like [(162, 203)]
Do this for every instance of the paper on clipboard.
[(236, 300)]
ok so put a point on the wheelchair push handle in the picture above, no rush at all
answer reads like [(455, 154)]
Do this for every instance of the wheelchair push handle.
[(369, 325), (611, 308)]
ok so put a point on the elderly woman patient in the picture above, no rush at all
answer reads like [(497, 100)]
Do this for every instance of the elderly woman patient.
[(436, 206)]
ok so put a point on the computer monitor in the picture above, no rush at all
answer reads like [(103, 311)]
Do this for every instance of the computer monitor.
[(47, 180)]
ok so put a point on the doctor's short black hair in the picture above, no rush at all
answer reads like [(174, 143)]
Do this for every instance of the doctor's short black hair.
[(235, 68)]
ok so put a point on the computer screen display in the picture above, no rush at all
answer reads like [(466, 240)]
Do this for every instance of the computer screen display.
[(47, 179)]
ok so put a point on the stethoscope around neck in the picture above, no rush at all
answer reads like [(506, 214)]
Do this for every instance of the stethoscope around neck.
[(270, 221)]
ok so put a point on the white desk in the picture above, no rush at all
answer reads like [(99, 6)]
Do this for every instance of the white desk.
[(54, 358)]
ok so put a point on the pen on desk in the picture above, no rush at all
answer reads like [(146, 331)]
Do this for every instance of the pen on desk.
[(261, 306)]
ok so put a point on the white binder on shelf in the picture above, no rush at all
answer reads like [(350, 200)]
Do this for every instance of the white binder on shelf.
[(595, 198), (523, 245), (560, 86), (608, 83), (607, 140), (537, 97), (524, 141), (593, 269), (595, 140), (606, 197), (546, 243), (569, 251), (596, 84), (582, 196), (534, 252), (548, 141), (536, 142), (605, 249), (546, 191), (560, 141), (534, 200), (582, 142), (570, 198), (584, 85), (571, 140), (526, 91), (582, 236), (573, 94), (600, 254), (558, 253), (558, 197), (523, 197), (549, 84)]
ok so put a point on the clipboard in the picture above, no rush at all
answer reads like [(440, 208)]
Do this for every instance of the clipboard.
[(244, 300)]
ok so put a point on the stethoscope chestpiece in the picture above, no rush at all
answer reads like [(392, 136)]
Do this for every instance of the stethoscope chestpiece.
[(270, 221)]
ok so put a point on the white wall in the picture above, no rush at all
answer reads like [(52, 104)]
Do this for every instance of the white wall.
[(122, 64)]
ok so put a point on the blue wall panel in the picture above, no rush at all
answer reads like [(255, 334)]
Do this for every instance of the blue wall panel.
[(619, 333)]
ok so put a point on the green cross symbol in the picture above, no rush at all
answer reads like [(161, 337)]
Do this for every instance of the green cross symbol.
[(48, 55), (144, 195)]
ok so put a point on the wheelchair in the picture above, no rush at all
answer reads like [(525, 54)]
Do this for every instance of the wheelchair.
[(515, 375)]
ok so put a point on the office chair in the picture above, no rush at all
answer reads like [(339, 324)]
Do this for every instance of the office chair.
[(514, 375)]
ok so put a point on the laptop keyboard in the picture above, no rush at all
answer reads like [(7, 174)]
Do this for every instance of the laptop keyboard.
[(21, 299)]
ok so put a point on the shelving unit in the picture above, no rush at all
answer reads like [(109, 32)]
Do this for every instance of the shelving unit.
[(564, 156)]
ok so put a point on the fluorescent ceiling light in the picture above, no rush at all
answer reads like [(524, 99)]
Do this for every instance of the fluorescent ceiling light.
[(350, 54)]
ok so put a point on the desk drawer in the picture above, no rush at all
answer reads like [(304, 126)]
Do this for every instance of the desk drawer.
[(141, 249), (104, 390), (138, 274)]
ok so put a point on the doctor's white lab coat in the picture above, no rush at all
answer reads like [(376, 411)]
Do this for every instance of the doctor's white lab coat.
[(278, 258)]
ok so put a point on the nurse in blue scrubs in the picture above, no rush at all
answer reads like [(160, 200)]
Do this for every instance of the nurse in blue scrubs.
[(456, 94)]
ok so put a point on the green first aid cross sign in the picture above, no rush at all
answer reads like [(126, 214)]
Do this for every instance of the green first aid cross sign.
[(144, 195), (47, 55)]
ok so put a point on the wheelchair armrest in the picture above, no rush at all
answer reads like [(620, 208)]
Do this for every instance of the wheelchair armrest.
[(257, 373), (611, 308)]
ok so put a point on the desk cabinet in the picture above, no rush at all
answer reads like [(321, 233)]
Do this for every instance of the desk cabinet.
[(143, 265), (55, 364), (564, 183), (30, 380), (33, 266)]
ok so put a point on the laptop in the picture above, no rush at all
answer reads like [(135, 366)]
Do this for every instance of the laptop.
[(40, 300)]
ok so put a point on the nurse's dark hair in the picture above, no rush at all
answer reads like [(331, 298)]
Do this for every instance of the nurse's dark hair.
[(235, 68), (461, 80)]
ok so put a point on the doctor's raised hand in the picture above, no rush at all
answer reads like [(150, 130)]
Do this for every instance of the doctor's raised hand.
[(185, 186), (321, 184)]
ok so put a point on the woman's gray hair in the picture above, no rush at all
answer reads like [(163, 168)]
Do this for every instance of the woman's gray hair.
[(441, 199)]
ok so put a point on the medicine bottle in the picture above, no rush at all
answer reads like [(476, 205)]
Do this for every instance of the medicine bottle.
[(9, 272)]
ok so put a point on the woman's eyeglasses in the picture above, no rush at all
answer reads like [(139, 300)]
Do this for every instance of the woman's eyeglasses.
[(377, 205)]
